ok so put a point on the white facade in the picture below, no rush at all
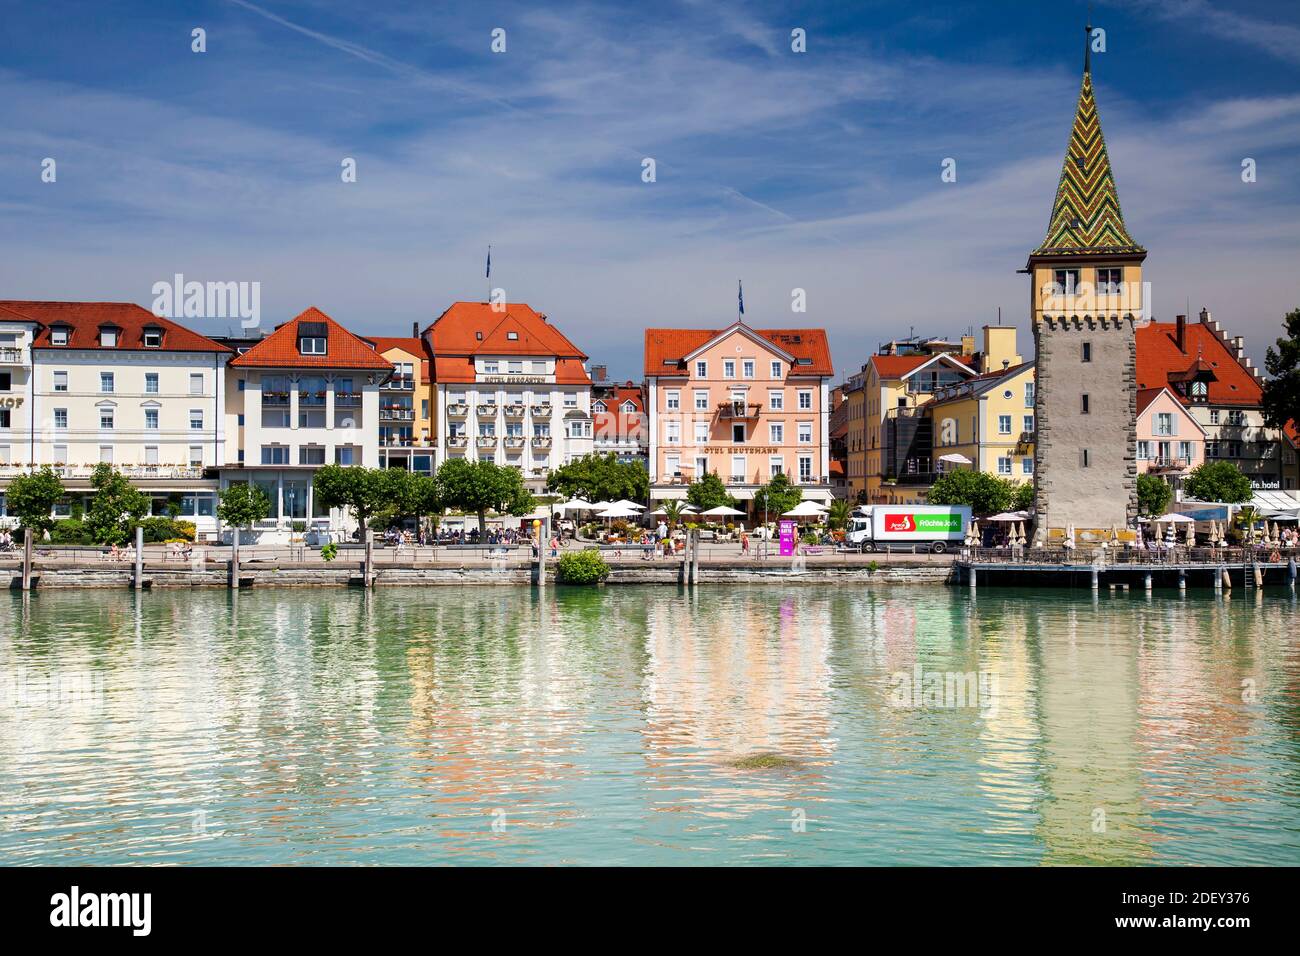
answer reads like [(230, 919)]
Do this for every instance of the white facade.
[(523, 419), (17, 445)]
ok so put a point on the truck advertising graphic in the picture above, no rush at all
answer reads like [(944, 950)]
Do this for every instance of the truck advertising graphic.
[(939, 526)]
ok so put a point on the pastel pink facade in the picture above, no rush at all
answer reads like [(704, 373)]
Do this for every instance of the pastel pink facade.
[(1169, 440), (744, 403)]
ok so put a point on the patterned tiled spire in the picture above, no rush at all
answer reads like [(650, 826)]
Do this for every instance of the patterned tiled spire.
[(1086, 218)]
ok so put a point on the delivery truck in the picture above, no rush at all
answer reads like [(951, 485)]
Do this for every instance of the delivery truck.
[(938, 528)]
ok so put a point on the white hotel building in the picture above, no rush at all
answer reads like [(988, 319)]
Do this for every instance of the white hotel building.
[(509, 387), (90, 382)]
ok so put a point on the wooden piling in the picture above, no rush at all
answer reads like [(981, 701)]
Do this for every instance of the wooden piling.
[(139, 558), (234, 559), (368, 569), (27, 559)]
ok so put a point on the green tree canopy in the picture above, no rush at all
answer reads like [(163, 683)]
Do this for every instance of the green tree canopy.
[(31, 499), (405, 494), (1218, 481), (839, 513), (1154, 495), (986, 494), (359, 490), (1022, 498), (483, 486), (777, 496), (1282, 392), (242, 505), (598, 477), (116, 508), (709, 492)]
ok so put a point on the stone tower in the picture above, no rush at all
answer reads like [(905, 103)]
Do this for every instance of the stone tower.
[(1087, 297)]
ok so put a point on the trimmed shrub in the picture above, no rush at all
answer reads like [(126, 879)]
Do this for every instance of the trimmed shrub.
[(69, 531), (582, 567)]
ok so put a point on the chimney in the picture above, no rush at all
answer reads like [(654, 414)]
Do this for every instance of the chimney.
[(598, 373), (1180, 335), (1205, 316), (415, 330)]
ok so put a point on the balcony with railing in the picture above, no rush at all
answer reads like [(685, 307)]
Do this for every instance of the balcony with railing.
[(541, 409), (1024, 441), (347, 399), (129, 471), (541, 441), (13, 356), (487, 410), (1168, 464), (739, 410), (457, 410), (275, 399), (312, 398), (396, 413), (514, 410), (514, 441), (486, 441), (457, 441), (400, 383)]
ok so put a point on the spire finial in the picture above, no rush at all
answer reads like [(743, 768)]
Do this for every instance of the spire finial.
[(1087, 47)]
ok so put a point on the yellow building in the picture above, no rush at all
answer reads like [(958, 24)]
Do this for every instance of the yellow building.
[(406, 409), (855, 461), (989, 422)]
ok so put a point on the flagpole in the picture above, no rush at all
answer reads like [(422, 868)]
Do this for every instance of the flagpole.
[(488, 275)]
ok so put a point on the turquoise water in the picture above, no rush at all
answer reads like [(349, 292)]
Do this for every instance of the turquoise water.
[(488, 726)]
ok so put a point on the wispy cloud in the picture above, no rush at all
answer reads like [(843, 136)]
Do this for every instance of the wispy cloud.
[(1278, 39)]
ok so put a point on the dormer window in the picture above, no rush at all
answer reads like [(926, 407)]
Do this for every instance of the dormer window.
[(629, 407), (108, 338), (152, 337), (598, 406), (59, 335), (312, 338), (512, 336)]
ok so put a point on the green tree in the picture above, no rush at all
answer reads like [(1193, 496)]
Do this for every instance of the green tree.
[(582, 567), (598, 477), (1218, 481), (1154, 495), (359, 490), (673, 511), (31, 499), (708, 492), (242, 505), (116, 508), (1022, 499), (1282, 392), (405, 494), (838, 515), (483, 486), (777, 496), (986, 494)]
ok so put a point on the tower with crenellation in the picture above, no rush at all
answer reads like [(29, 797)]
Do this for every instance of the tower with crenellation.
[(1087, 298)]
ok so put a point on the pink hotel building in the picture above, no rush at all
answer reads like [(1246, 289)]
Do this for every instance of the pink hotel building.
[(745, 403)]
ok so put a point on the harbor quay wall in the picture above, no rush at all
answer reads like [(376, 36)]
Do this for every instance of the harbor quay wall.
[(217, 575)]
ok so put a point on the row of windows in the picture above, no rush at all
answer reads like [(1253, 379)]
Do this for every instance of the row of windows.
[(739, 432), (108, 418), (151, 336), (739, 464), (514, 367), (308, 455), (748, 368), (59, 455), (108, 382), (1109, 281), (1005, 466), (775, 400)]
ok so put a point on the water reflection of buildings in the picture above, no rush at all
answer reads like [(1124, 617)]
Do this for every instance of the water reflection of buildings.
[(736, 678)]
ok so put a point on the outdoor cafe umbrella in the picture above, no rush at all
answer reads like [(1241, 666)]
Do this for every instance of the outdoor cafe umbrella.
[(624, 503), (1020, 532), (722, 511), (1069, 536), (575, 504), (804, 509), (615, 511)]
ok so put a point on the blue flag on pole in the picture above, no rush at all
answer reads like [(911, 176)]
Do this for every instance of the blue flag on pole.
[(740, 294), (488, 274)]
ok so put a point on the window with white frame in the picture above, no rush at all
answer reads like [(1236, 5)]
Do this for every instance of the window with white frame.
[(60, 381), (1004, 424), (1004, 466), (108, 340), (776, 400), (701, 433), (60, 418), (805, 433), (701, 401), (805, 468), (151, 419), (776, 433), (151, 454), (673, 465), (805, 400), (106, 454), (776, 369), (672, 433), (672, 400), (1029, 423), (151, 383), (728, 368), (196, 419), (196, 456), (196, 383), (701, 369), (775, 466), (1026, 466), (105, 381), (106, 418), (747, 368)]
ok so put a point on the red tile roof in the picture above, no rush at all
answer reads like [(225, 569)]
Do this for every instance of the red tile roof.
[(672, 345), (896, 366), (1292, 431), (409, 345), (344, 350), (85, 319), (468, 329), (1158, 357), (615, 422)]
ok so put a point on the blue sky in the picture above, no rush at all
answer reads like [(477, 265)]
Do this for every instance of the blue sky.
[(818, 171)]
